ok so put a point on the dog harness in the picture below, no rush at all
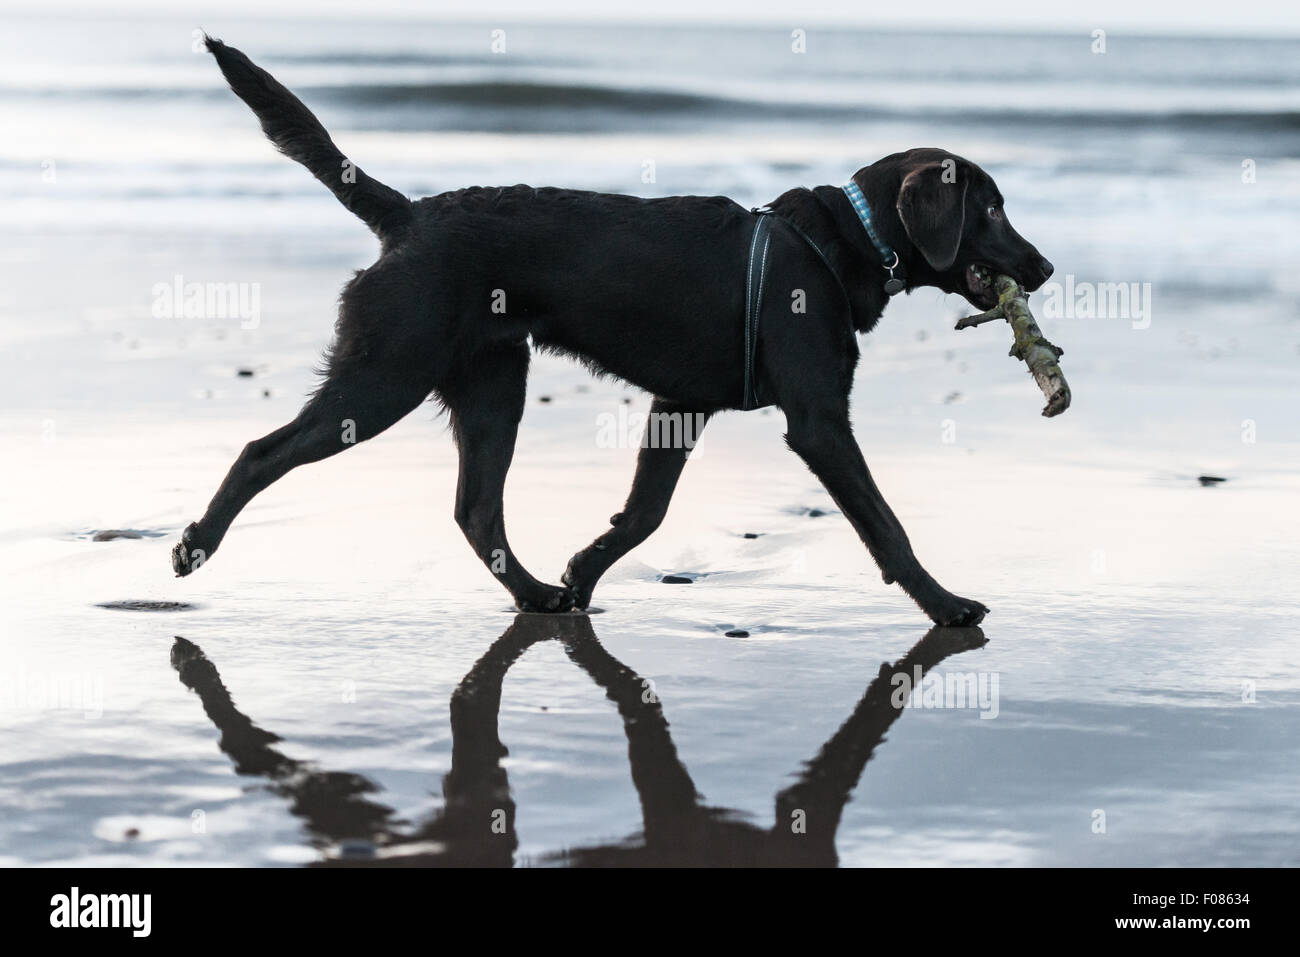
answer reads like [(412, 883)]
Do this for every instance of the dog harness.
[(755, 274), (755, 280)]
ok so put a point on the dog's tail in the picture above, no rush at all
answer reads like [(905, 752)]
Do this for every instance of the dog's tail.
[(299, 135)]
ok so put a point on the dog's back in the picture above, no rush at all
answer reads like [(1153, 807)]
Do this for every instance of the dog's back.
[(585, 273)]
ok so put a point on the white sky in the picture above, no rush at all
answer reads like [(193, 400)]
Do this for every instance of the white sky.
[(1225, 17)]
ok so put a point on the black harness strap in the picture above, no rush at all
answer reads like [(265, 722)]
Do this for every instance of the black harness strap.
[(754, 278)]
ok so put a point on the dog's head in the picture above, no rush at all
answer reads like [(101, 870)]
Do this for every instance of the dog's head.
[(947, 221)]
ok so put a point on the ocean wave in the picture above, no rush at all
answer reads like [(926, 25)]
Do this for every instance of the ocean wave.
[(414, 58), (516, 96), (920, 70), (543, 107)]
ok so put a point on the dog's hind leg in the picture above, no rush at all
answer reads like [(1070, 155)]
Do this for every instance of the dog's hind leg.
[(671, 433), (355, 403), (486, 403)]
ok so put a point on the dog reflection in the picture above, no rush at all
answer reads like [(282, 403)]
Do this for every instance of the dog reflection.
[(476, 825)]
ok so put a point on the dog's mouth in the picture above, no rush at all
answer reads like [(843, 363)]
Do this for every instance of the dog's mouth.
[(979, 286)]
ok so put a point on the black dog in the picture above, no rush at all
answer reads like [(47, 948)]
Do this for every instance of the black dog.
[(663, 293)]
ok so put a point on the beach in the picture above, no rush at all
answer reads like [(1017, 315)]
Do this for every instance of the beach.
[(1137, 700)]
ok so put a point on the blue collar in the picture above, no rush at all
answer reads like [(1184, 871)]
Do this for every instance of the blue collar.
[(888, 258)]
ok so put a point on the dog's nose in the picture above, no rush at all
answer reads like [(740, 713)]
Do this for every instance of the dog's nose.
[(1047, 268)]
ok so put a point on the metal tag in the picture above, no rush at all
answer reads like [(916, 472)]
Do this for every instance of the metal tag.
[(893, 286)]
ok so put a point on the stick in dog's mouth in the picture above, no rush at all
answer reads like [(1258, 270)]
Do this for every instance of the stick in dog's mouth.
[(1031, 346)]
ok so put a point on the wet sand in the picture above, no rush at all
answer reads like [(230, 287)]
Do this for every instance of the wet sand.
[(1141, 689)]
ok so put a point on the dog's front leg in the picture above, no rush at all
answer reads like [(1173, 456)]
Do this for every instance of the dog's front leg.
[(671, 433), (824, 439)]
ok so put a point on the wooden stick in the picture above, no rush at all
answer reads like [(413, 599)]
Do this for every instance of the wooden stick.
[(1030, 345)]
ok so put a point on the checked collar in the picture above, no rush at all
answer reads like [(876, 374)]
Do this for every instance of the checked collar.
[(888, 257)]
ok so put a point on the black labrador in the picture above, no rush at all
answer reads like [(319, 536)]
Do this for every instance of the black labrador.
[(663, 293)]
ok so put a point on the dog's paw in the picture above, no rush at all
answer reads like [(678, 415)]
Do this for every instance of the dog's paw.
[(955, 612), (548, 600), (572, 578), (188, 554)]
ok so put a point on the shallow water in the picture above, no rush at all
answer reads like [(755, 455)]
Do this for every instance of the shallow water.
[(1136, 687)]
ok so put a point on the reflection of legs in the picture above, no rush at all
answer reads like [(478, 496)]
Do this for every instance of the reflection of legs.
[(671, 433), (334, 803), (486, 405), (816, 801), (669, 801), (350, 407), (478, 822)]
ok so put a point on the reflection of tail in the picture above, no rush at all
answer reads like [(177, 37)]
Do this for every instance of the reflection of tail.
[(297, 133)]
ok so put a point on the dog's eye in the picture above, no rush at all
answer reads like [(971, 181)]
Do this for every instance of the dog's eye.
[(994, 212)]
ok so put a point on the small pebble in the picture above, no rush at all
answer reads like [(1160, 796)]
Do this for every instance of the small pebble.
[(245, 373), (356, 849), (739, 633), (1210, 480), (676, 580)]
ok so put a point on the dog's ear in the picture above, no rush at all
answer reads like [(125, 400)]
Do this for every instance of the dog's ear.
[(932, 206)]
